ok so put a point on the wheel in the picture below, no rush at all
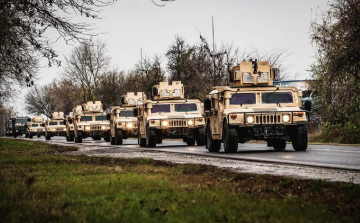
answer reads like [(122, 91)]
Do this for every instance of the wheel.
[(26, 135), (150, 138), (30, 136), (279, 144), (118, 137), (300, 138), (213, 145), (159, 139), (47, 137), (201, 137), (38, 136), (15, 135), (112, 141), (71, 137), (231, 139), (107, 137), (190, 141), (141, 141), (79, 138)]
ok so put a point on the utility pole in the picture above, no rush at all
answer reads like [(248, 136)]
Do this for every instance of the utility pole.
[(141, 56)]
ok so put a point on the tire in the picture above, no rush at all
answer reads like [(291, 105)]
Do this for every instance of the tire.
[(112, 141), (141, 141), (231, 139), (30, 136), (190, 141), (150, 138), (71, 137), (107, 137), (38, 136), (201, 137), (14, 135), (48, 137), (300, 138), (26, 135), (118, 137), (279, 144), (79, 138), (213, 145), (159, 139)]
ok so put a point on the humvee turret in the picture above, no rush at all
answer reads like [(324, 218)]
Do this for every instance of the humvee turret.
[(19, 126), (170, 115), (36, 127), (91, 122), (55, 126), (253, 109), (123, 122)]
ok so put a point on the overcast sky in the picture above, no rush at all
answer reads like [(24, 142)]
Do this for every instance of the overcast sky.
[(129, 25)]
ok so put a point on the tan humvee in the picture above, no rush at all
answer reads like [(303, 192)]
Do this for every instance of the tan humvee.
[(123, 122), (69, 122), (36, 127), (91, 122), (253, 109), (55, 126), (170, 115)]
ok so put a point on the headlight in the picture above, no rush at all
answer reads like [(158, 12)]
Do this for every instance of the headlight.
[(103, 127), (164, 123), (250, 119), (190, 122), (129, 125), (286, 118), (64, 129), (87, 128), (53, 129)]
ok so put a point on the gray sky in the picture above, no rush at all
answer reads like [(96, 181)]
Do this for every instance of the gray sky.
[(129, 25)]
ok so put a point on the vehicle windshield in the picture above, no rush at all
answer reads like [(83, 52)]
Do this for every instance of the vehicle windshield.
[(35, 125), (160, 108), (53, 123), (126, 114), (243, 98), (100, 118), (276, 97), (86, 118), (187, 107), (20, 120)]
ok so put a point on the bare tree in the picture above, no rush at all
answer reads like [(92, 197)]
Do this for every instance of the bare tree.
[(86, 65), (111, 88), (39, 100)]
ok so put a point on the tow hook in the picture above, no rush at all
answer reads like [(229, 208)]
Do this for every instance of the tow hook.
[(265, 134)]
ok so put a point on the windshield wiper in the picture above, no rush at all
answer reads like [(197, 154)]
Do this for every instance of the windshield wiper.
[(181, 105), (277, 88)]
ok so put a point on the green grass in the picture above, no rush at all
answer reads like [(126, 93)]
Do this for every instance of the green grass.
[(39, 184)]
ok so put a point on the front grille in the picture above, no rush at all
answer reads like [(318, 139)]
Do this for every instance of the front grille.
[(97, 127), (267, 119), (177, 123)]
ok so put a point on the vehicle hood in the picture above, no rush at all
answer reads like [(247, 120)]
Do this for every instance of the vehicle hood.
[(260, 109), (174, 116)]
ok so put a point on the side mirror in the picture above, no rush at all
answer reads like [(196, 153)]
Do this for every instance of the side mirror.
[(104, 107), (136, 112), (307, 106), (70, 121), (122, 100), (207, 104), (155, 91), (276, 74), (29, 119), (108, 116)]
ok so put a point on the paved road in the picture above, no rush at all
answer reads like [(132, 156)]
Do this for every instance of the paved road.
[(340, 157)]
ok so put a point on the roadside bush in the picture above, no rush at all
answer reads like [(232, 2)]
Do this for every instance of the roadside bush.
[(349, 133)]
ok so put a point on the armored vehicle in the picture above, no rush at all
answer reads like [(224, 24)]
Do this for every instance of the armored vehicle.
[(9, 128), (19, 126), (91, 122), (123, 122), (36, 127), (170, 115), (55, 126), (69, 122), (253, 109)]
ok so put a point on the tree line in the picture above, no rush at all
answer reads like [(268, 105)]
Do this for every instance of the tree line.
[(88, 74)]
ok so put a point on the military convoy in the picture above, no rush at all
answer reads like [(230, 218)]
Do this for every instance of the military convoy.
[(170, 115), (55, 126), (36, 127), (123, 120), (251, 108), (91, 122)]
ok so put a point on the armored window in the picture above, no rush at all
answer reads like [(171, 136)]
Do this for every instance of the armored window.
[(20, 120), (53, 123), (243, 98), (185, 107), (86, 118), (247, 78), (160, 108), (276, 97), (165, 93), (42, 125), (100, 118), (126, 114), (35, 125), (176, 93), (131, 101)]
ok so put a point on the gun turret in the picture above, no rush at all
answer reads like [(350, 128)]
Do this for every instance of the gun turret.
[(132, 99), (254, 73), (57, 115), (166, 91), (38, 119), (92, 106)]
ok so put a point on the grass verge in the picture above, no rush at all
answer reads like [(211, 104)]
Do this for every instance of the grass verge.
[(38, 184)]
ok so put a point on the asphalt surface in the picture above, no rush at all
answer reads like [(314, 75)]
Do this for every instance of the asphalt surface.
[(327, 156)]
